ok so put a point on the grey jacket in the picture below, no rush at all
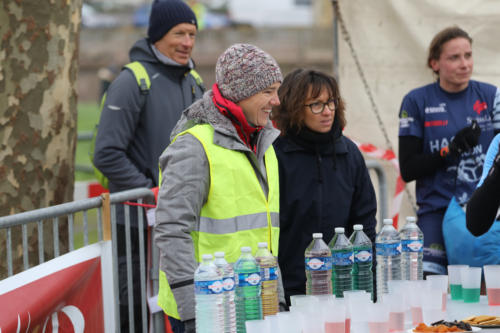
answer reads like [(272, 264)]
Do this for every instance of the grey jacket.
[(184, 190), (130, 139)]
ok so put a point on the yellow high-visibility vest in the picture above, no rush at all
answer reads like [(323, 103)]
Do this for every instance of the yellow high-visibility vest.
[(237, 212)]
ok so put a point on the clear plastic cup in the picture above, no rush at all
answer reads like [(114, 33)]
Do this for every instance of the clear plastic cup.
[(257, 326), (358, 309), (415, 289), (312, 320), (334, 315), (289, 322), (273, 323), (440, 282), (492, 279), (455, 280), (471, 284), (398, 310), (378, 318), (432, 307), (296, 298)]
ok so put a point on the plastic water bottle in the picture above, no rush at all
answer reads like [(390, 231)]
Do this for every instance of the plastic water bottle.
[(318, 264), (388, 251), (208, 296), (228, 285), (342, 260), (248, 302), (362, 276), (412, 247), (269, 275)]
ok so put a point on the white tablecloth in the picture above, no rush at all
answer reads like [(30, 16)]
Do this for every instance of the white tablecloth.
[(458, 310)]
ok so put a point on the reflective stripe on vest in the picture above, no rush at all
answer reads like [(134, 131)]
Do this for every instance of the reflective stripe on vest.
[(236, 213)]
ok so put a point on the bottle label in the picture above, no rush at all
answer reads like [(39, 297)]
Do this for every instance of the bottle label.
[(363, 256), (388, 250), (248, 279), (269, 273), (318, 264), (208, 287), (412, 245), (228, 283), (342, 258)]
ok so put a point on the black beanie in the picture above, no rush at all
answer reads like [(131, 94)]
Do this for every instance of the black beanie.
[(167, 14)]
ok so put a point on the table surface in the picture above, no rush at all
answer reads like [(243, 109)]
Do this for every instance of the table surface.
[(458, 310)]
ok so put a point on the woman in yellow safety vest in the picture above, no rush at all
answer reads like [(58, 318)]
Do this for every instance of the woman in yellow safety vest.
[(219, 189)]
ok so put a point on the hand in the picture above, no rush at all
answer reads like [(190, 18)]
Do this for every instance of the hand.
[(190, 326), (465, 139)]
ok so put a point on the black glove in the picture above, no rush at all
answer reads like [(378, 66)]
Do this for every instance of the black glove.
[(465, 139), (190, 326)]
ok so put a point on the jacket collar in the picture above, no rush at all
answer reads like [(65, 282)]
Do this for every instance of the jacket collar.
[(303, 141), (203, 111)]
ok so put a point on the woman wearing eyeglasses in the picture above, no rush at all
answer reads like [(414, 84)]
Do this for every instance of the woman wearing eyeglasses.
[(324, 182)]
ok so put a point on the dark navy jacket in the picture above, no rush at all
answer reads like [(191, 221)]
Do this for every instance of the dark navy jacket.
[(322, 186)]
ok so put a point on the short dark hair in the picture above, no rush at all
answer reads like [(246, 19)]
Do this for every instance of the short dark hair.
[(445, 35), (294, 92)]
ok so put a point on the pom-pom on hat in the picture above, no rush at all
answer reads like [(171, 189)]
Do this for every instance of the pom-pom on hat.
[(166, 14), (243, 70)]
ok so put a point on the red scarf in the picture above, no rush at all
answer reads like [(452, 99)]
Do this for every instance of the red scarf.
[(246, 132)]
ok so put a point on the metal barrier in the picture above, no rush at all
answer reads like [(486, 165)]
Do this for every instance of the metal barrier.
[(106, 230)]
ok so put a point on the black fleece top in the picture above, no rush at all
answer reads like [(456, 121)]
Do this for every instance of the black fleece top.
[(324, 183)]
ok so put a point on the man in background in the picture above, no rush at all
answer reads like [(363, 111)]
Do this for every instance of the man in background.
[(139, 111)]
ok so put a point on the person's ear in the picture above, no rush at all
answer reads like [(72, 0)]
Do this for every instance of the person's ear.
[(434, 65)]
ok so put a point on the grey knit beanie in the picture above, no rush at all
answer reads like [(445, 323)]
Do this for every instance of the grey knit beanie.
[(243, 70), (166, 14)]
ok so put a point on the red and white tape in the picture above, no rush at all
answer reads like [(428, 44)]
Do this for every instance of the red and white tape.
[(387, 155)]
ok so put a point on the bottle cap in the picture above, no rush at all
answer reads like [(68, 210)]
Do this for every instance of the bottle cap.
[(387, 221), (206, 257), (339, 230), (411, 219), (357, 227), (219, 254), (263, 245), (246, 249), (317, 235)]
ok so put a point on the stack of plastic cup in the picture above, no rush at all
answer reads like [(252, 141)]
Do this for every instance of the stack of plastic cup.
[(432, 305), (378, 318), (455, 280), (492, 278), (440, 282), (471, 284)]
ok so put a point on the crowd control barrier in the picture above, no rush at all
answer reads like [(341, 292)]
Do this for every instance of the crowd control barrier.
[(106, 229)]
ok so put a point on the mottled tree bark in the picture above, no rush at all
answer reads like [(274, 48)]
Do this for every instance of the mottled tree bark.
[(38, 99)]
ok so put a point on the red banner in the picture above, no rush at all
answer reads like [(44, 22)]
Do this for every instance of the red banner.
[(69, 300)]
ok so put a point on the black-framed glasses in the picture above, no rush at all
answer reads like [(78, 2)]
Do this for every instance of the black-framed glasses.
[(318, 107)]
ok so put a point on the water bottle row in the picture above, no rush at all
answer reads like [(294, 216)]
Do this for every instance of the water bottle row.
[(399, 255), (226, 296), (346, 264)]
